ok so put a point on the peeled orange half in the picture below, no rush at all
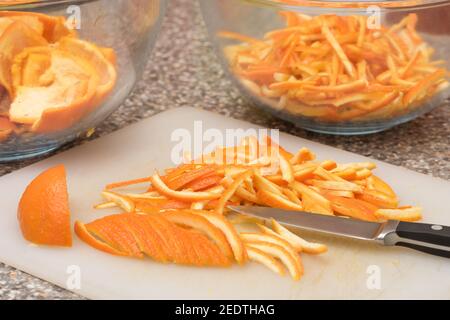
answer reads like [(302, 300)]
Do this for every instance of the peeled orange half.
[(43, 212)]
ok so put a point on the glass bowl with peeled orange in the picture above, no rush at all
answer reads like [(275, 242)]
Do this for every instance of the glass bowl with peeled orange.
[(338, 67), (66, 65)]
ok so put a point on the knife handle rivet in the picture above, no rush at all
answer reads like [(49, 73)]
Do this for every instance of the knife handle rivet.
[(437, 227)]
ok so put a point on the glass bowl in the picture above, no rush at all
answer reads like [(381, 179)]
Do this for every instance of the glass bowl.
[(67, 65), (333, 67)]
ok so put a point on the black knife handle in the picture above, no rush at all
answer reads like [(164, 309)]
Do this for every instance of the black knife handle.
[(429, 238)]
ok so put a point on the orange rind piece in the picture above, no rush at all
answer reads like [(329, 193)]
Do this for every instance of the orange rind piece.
[(287, 170), (256, 238), (205, 183), (354, 208), (262, 183), (53, 27), (121, 184), (87, 237), (159, 185), (265, 259), (105, 205), (231, 189), (378, 198), (303, 155), (186, 178), (205, 252), (121, 201), (57, 103), (236, 244), (318, 199), (274, 200), (154, 205), (336, 185), (376, 183), (105, 70), (410, 214), (16, 37), (297, 242), (311, 205), (197, 222), (261, 237), (147, 240), (32, 22), (163, 231), (292, 263), (43, 211), (112, 231), (134, 235)]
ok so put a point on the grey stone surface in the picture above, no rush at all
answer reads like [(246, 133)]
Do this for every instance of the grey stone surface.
[(183, 71)]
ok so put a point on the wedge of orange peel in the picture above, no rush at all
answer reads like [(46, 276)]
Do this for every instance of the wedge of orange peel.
[(296, 181), (134, 235), (336, 68), (53, 79)]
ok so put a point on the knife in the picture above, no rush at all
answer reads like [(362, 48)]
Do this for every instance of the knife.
[(430, 238)]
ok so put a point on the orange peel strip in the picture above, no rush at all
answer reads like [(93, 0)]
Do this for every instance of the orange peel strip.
[(127, 183), (159, 185), (277, 201), (294, 265), (240, 254), (121, 201), (297, 242), (87, 237), (354, 208), (230, 191), (318, 198), (339, 51), (408, 214), (258, 237), (190, 176), (379, 199), (200, 223), (265, 259)]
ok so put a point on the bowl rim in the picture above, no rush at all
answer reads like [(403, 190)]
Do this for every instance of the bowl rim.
[(350, 4)]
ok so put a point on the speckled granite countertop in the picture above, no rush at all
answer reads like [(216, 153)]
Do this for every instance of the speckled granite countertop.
[(183, 71)]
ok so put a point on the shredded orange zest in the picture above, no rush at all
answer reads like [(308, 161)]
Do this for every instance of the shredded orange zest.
[(337, 68)]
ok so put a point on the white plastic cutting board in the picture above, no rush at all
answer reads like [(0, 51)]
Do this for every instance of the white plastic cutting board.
[(135, 151)]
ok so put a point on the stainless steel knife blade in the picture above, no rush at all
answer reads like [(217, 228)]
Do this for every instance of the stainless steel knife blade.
[(363, 230)]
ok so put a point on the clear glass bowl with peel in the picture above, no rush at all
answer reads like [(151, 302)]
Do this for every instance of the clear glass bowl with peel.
[(66, 65), (336, 67)]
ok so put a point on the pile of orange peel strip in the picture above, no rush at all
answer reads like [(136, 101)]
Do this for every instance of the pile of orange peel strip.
[(336, 68), (49, 78), (182, 217)]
